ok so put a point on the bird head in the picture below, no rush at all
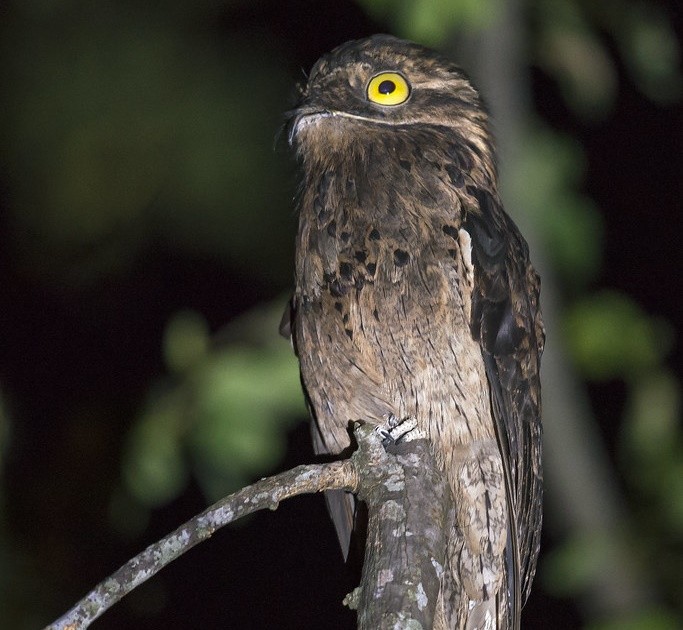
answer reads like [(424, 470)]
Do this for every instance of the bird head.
[(384, 85)]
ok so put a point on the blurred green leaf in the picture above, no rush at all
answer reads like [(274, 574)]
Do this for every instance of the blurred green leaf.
[(154, 468), (569, 49), (648, 45), (652, 424), (611, 337), (652, 448), (117, 128), (224, 419), (186, 341), (651, 619), (546, 177), (571, 566), (431, 21), (654, 56), (243, 396)]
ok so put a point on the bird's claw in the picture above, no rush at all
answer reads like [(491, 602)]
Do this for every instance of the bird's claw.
[(398, 430)]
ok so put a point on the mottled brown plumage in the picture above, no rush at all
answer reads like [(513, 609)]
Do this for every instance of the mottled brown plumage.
[(415, 299)]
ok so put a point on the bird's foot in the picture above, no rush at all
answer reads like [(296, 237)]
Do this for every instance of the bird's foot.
[(399, 430)]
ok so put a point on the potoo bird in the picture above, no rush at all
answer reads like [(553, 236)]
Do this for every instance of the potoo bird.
[(415, 299)]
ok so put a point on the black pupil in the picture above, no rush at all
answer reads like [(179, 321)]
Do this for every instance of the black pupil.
[(386, 87)]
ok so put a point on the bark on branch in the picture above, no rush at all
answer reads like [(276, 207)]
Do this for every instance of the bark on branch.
[(408, 507), (410, 513)]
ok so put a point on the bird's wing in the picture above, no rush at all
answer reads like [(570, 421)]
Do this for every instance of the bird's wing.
[(341, 505), (506, 320)]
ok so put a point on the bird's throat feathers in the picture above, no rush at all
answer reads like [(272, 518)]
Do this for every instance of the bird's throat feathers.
[(344, 143)]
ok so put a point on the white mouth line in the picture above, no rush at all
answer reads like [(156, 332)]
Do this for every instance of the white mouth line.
[(357, 117), (309, 118)]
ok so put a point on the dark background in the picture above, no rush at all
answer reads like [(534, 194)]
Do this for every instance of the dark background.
[(82, 342)]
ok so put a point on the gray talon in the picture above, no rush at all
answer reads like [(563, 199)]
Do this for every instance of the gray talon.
[(397, 430)]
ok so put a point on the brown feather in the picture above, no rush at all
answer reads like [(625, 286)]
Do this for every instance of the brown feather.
[(415, 298)]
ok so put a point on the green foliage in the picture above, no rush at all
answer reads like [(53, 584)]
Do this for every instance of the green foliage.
[(652, 427), (572, 47), (649, 619), (117, 127), (610, 337), (569, 48), (220, 417), (570, 42), (431, 21), (652, 457), (545, 182), (648, 45), (572, 567)]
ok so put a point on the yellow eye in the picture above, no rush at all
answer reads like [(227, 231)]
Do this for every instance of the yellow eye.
[(388, 88)]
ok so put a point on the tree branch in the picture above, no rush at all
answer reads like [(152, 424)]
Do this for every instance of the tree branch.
[(408, 505), (410, 513), (266, 493)]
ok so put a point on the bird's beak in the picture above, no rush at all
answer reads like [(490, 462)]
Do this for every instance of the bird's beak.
[(302, 116)]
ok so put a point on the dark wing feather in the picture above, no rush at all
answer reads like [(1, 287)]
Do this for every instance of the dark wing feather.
[(341, 505), (506, 320)]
